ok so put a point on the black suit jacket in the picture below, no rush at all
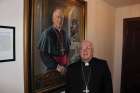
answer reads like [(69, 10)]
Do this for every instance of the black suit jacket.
[(100, 80)]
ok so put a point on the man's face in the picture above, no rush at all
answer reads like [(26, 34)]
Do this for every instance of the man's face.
[(86, 52), (58, 18)]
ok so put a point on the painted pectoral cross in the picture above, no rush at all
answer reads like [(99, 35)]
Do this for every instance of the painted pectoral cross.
[(86, 90)]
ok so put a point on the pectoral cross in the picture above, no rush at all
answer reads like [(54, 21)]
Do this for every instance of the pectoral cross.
[(86, 90)]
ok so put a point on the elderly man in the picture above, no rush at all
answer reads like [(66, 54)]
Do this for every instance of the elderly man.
[(54, 43), (89, 74)]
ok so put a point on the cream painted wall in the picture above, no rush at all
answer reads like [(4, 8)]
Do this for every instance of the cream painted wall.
[(100, 29), (123, 12), (11, 73)]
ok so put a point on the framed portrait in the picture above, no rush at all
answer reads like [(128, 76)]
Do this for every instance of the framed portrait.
[(7, 46), (53, 31)]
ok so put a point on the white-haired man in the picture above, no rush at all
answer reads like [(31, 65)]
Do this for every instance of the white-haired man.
[(89, 74), (54, 43)]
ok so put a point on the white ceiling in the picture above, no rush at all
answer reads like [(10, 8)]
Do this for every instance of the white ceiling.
[(120, 3)]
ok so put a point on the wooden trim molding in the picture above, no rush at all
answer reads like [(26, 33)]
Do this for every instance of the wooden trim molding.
[(26, 45)]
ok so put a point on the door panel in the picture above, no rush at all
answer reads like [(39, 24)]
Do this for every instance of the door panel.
[(130, 81)]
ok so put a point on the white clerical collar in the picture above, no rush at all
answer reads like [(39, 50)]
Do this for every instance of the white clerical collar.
[(86, 63)]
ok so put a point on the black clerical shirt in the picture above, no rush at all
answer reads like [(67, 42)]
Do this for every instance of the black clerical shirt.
[(100, 78), (85, 74)]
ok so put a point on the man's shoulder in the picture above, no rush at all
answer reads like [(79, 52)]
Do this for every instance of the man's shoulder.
[(74, 65), (99, 62), (48, 31)]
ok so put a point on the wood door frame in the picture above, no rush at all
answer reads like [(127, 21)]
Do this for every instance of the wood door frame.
[(26, 44)]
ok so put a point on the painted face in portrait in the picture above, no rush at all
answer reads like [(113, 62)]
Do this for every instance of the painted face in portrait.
[(86, 51), (58, 18)]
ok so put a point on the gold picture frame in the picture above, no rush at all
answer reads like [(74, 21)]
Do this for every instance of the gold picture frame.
[(37, 18)]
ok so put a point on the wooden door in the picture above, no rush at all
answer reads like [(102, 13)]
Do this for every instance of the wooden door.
[(130, 80)]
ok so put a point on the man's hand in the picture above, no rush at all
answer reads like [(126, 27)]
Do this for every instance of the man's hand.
[(60, 69)]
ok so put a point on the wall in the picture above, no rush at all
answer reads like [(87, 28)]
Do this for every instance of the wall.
[(11, 73), (123, 12), (100, 29)]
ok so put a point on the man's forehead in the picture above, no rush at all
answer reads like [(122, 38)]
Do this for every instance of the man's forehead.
[(58, 11), (86, 45)]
